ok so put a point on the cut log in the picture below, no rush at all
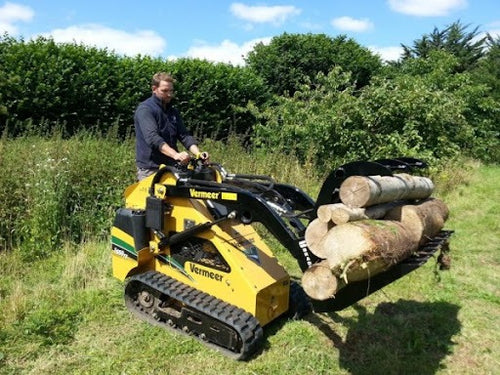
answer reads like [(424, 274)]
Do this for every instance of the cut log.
[(314, 234), (418, 187), (364, 191), (360, 249), (319, 282), (365, 241), (423, 220), (378, 211), (339, 213)]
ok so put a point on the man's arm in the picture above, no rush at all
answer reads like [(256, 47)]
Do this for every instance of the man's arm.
[(181, 157), (149, 128), (188, 141)]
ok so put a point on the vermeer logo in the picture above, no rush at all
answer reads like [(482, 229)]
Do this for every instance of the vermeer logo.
[(205, 273), (203, 194)]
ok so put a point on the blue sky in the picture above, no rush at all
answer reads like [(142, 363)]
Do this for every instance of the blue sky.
[(220, 30)]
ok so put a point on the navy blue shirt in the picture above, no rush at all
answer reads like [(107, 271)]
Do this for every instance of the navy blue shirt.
[(154, 126)]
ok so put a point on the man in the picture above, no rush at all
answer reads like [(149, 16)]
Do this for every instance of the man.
[(158, 127)]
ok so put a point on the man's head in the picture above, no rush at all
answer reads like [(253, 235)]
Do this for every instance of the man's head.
[(162, 85)]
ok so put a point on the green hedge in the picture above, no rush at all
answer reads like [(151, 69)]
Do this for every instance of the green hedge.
[(45, 85)]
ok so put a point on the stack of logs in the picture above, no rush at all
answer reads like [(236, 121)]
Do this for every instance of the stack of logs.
[(381, 221)]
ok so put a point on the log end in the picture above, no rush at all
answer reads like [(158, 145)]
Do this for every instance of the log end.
[(355, 191), (318, 282), (315, 232)]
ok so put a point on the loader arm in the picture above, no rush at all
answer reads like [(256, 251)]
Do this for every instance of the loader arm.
[(250, 207)]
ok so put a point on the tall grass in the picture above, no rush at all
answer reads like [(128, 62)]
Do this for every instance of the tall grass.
[(56, 189), (60, 190)]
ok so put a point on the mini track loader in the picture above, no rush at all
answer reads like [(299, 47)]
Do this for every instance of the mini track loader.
[(192, 261)]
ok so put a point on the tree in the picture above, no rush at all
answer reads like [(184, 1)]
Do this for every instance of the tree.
[(291, 60), (427, 111), (488, 69), (466, 46)]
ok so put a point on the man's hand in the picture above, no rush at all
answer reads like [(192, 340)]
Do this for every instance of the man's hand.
[(204, 156), (182, 157)]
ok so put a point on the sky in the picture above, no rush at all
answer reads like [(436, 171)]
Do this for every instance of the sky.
[(225, 31)]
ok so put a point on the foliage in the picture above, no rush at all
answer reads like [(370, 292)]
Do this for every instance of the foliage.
[(437, 109), (45, 85), (48, 83), (425, 110), (314, 123), (488, 68), (332, 99), (60, 190), (213, 97), (292, 60), (455, 39)]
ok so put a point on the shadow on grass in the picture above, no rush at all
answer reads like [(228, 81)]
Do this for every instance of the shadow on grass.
[(405, 337)]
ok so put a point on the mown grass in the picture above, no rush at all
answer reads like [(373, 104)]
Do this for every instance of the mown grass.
[(64, 314)]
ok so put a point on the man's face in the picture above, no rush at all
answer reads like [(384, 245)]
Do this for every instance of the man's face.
[(165, 91)]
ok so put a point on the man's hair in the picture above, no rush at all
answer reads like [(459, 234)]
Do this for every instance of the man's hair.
[(158, 77)]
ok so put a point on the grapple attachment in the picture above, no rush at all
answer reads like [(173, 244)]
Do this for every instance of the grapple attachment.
[(356, 290)]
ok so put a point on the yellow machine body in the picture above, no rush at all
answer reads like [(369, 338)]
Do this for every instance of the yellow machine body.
[(251, 277)]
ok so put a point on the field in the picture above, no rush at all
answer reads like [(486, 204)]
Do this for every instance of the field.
[(65, 314)]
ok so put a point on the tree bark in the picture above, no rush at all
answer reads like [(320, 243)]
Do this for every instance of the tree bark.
[(358, 244), (364, 191), (423, 220)]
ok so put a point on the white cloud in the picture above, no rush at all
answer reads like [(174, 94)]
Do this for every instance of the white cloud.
[(387, 53), (430, 8), (226, 52), (144, 42), (495, 33), (11, 13), (493, 29), (264, 14), (352, 24)]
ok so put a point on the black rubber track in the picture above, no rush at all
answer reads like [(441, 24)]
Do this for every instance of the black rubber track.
[(211, 310), (300, 306)]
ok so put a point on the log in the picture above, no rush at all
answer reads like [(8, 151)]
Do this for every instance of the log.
[(418, 187), (423, 220), (378, 211), (360, 249), (364, 191), (339, 213), (367, 247), (314, 234), (319, 282)]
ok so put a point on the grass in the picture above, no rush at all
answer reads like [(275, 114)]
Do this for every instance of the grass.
[(65, 314)]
